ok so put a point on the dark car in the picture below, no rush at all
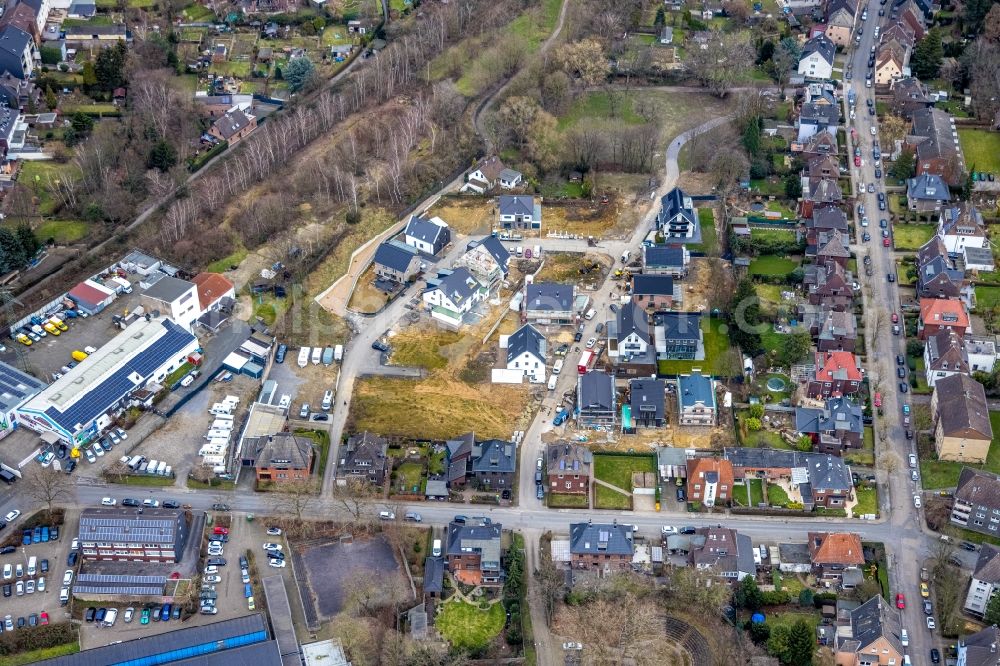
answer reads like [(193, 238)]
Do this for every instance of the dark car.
[(909, 434), (72, 558), (220, 507), (217, 561), (900, 359), (89, 615), (20, 622), (279, 356), (539, 494), (33, 620), (878, 173), (62, 452), (681, 495), (891, 277), (380, 346), (6, 550), (26, 537), (935, 656), (901, 372), (36, 535), (7, 589), (881, 205), (165, 613), (176, 613), (70, 466), (171, 504), (459, 519), (904, 387), (866, 237), (577, 336), (687, 530), (156, 613), (276, 555), (101, 614), (45, 566), (965, 545), (243, 562), (53, 533), (128, 501)]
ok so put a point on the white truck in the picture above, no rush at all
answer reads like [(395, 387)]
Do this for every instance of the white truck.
[(338, 353)]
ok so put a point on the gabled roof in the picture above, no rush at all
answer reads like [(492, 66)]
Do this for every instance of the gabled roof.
[(834, 247), (946, 352), (910, 89), (837, 325), (496, 249), (824, 190), (675, 203), (695, 389), (494, 455), (962, 410), (927, 187), (597, 391), (652, 285), (830, 217), (89, 293), (427, 231), (549, 297), (661, 256), (962, 220), (837, 365), (395, 256), (838, 414), (514, 204), (980, 648), (211, 287), (632, 319), (876, 619), (836, 548), (723, 549), (977, 488), (821, 45), (944, 312), (600, 539), (526, 339), (509, 175), (282, 449), (987, 568), (14, 41), (231, 123), (824, 115), (491, 168), (457, 285), (476, 535), (647, 396), (364, 447), (568, 457), (938, 131), (679, 325), (825, 472), (933, 248)]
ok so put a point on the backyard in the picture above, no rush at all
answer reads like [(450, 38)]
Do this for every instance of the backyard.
[(910, 237), (981, 149), (987, 298), (716, 338), (466, 626), (944, 474), (617, 470), (867, 500), (709, 241), (772, 266)]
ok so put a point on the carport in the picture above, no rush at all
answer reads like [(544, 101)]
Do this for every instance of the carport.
[(281, 619)]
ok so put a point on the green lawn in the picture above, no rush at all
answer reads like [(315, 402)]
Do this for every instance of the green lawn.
[(867, 501), (781, 235), (606, 498), (566, 501), (38, 174), (772, 265), (222, 265), (770, 297), (92, 109), (196, 13), (466, 626), (790, 618), (716, 346), (409, 477), (142, 480), (709, 241), (598, 105), (756, 491), (776, 495), (617, 470), (909, 237), (981, 149), (62, 231), (987, 298), (866, 455), (944, 474)]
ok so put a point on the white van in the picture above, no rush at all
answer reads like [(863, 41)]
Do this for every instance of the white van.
[(317, 355), (161, 469), (436, 548), (327, 401), (519, 251), (303, 359), (218, 434), (590, 314), (32, 561), (552, 382), (557, 368), (64, 596)]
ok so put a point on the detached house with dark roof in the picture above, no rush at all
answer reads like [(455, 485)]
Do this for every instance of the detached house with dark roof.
[(840, 16), (909, 95), (836, 331), (984, 584), (696, 404), (647, 400), (678, 336), (630, 346), (474, 551), (602, 548), (927, 193), (397, 262), (937, 276), (976, 505), (816, 61), (16, 52), (980, 648), (363, 458), (665, 260), (836, 426), (233, 126), (519, 212), (962, 428), (938, 150), (488, 464), (596, 400), (452, 295), (960, 227), (944, 355), (677, 220), (526, 349), (488, 261), (815, 118), (873, 637), (722, 551), (280, 458), (428, 236), (567, 466), (653, 292), (548, 303)]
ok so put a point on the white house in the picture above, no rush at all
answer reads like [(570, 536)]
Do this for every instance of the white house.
[(985, 581), (519, 212), (429, 236), (484, 177), (982, 352), (174, 298), (510, 178), (632, 332), (960, 227), (526, 353), (816, 61), (487, 259), (452, 295)]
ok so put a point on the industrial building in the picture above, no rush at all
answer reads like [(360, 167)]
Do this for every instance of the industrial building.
[(16, 388), (150, 535), (85, 401)]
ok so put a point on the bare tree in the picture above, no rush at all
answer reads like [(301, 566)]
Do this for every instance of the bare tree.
[(116, 471), (352, 497), (294, 498), (551, 586), (46, 486), (722, 60)]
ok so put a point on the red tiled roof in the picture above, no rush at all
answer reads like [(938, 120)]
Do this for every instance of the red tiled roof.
[(943, 312), (211, 287), (837, 365), (87, 294)]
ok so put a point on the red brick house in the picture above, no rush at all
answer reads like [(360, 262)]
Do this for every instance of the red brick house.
[(710, 481), (568, 468), (604, 548), (837, 373), (280, 458), (937, 314)]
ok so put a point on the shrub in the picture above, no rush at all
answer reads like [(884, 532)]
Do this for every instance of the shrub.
[(775, 598)]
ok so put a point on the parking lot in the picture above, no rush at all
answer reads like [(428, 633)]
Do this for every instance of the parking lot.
[(305, 385)]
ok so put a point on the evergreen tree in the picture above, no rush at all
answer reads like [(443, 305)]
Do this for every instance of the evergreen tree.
[(928, 56), (110, 67), (12, 254), (902, 168), (748, 595), (51, 100), (26, 237), (299, 73), (992, 615), (793, 186), (751, 137), (661, 17), (745, 318), (162, 156), (801, 644)]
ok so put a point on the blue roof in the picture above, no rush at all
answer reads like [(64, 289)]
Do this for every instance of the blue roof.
[(16, 387), (549, 296), (695, 389), (99, 399), (662, 256), (395, 257), (927, 187)]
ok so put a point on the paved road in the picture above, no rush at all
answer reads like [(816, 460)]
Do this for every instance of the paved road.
[(911, 546)]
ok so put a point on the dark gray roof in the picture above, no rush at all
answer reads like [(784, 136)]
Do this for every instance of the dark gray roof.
[(927, 187), (526, 339), (981, 647), (433, 575), (494, 455), (86, 31), (825, 472), (838, 414), (694, 389), (458, 284), (988, 566), (169, 289), (827, 115), (493, 245), (672, 205), (425, 230), (478, 535), (509, 175), (978, 488), (232, 122), (121, 525), (663, 257), (822, 45), (632, 319), (13, 41), (978, 255), (367, 448), (962, 409), (16, 387), (597, 391), (394, 256), (830, 217), (679, 325), (723, 549), (566, 456), (963, 219), (652, 285), (516, 205), (254, 627), (647, 396), (283, 450), (600, 539), (549, 297), (874, 619)]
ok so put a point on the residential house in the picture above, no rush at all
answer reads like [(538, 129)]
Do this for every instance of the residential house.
[(629, 343), (215, 291), (601, 548), (816, 61), (364, 459), (12, 133), (647, 400), (979, 649), (485, 176), (596, 401), (836, 426), (982, 352), (493, 464), (902, 34), (927, 193), (829, 285), (820, 193), (20, 15), (823, 166), (937, 276), (940, 313), (217, 105), (840, 21), (549, 303), (724, 551), (95, 35), (653, 292), (397, 262), (678, 336), (519, 212), (944, 355), (962, 428), (937, 147), (677, 219), (428, 236), (873, 637), (667, 35), (16, 52), (818, 145), (474, 550), (976, 505), (838, 373), (832, 246), (510, 178), (452, 295), (696, 402), (815, 118), (838, 331), (833, 553), (960, 227), (526, 349), (458, 455), (889, 65), (709, 481), (19, 94), (233, 126), (568, 468), (985, 582), (910, 14), (819, 478), (669, 260), (488, 261), (908, 96), (280, 458), (121, 534), (174, 298), (827, 219)]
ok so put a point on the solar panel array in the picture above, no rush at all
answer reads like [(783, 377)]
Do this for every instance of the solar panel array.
[(15, 386), (102, 397), (121, 590), (121, 579), (103, 528)]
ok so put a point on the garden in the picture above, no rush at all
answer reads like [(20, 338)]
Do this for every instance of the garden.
[(981, 149), (772, 266), (617, 470), (910, 237), (469, 626), (717, 344)]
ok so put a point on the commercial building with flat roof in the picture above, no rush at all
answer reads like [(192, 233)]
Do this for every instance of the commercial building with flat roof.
[(85, 401), (152, 535), (16, 388)]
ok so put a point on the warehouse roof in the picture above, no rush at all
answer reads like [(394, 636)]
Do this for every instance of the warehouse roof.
[(16, 387)]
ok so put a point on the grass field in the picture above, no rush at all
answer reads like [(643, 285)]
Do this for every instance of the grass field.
[(709, 239), (409, 477), (146, 481), (422, 347), (867, 501), (987, 298), (38, 174), (466, 626), (776, 495), (981, 149), (564, 501), (772, 265), (910, 237), (866, 455), (716, 346), (465, 215), (756, 487), (770, 297), (222, 265), (782, 235), (62, 231), (195, 13), (617, 470), (598, 105), (944, 474), (606, 498)]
